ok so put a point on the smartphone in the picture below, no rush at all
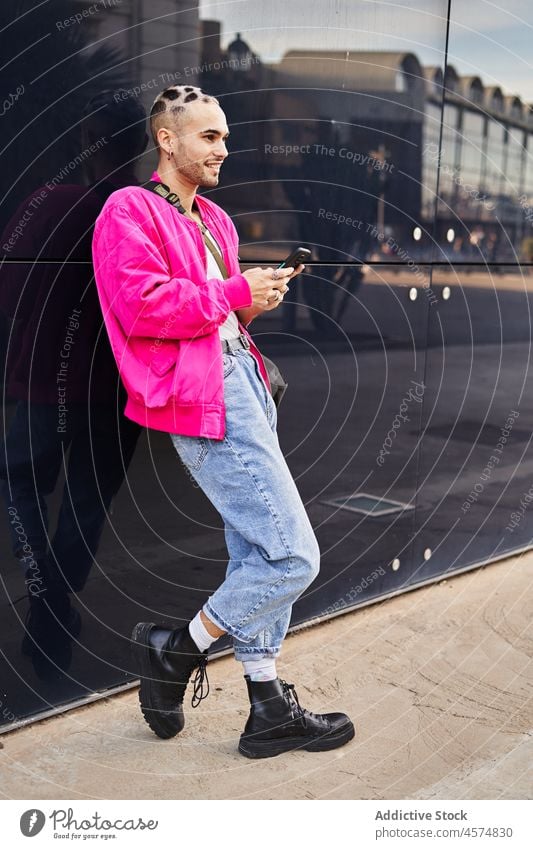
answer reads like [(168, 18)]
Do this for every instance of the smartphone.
[(294, 259)]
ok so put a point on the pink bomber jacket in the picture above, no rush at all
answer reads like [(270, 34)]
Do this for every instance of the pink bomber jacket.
[(161, 313)]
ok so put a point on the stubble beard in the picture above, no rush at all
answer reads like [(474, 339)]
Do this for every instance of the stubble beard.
[(199, 175)]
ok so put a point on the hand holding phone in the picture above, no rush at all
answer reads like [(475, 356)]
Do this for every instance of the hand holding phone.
[(268, 286)]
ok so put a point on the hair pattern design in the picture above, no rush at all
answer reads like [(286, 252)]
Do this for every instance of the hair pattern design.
[(173, 101)]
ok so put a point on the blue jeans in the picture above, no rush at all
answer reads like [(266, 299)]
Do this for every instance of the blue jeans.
[(273, 551)]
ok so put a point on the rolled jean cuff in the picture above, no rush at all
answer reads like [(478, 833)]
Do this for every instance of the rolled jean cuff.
[(225, 626), (254, 652), (242, 654)]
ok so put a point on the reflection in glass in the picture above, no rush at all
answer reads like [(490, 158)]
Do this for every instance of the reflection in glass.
[(476, 451), (65, 400), (485, 179), (335, 114)]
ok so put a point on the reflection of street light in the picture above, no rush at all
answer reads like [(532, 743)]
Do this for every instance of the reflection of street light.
[(381, 155), (417, 234), (450, 235)]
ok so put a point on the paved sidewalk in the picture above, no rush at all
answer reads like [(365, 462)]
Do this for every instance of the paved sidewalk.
[(438, 682)]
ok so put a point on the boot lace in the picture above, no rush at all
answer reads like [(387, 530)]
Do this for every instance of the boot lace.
[(297, 711), (200, 682)]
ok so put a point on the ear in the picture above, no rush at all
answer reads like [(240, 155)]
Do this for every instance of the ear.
[(164, 139)]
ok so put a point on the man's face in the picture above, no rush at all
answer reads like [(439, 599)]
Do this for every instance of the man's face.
[(199, 146)]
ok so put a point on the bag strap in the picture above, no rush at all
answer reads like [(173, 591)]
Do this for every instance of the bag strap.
[(164, 192)]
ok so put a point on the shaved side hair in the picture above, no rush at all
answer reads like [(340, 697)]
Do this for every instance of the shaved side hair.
[(172, 102)]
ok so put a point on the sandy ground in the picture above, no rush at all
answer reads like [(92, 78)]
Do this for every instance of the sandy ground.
[(438, 682)]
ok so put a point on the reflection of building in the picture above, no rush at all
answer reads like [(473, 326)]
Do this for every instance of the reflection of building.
[(484, 159), (224, 68), (309, 144), (167, 39), (315, 127), (90, 48)]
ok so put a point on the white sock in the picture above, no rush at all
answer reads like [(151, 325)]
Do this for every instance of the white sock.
[(200, 634), (261, 670)]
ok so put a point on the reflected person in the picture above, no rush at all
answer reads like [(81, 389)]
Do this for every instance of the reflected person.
[(62, 375)]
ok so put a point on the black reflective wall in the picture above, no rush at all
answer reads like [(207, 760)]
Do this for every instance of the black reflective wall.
[(395, 142)]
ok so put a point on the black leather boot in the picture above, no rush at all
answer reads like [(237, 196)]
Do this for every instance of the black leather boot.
[(277, 723), (165, 659)]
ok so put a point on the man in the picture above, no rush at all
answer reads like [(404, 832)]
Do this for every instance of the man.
[(176, 307)]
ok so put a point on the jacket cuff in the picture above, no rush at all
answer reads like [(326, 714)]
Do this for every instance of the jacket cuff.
[(238, 292)]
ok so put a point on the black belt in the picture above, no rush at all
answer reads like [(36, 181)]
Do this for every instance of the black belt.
[(229, 345)]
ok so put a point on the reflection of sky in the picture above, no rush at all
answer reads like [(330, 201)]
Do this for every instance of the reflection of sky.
[(494, 41)]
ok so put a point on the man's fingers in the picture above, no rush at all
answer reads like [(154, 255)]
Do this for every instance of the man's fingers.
[(298, 270), (284, 275), (281, 273)]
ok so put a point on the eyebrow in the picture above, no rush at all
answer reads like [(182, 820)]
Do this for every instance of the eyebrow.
[(216, 132)]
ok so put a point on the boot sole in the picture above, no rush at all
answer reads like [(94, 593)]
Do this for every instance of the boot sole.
[(141, 658), (251, 748)]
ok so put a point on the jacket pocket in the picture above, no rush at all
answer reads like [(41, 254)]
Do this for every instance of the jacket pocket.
[(162, 356), (157, 356), (164, 362)]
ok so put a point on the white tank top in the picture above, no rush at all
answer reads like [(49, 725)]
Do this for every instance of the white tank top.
[(230, 328)]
